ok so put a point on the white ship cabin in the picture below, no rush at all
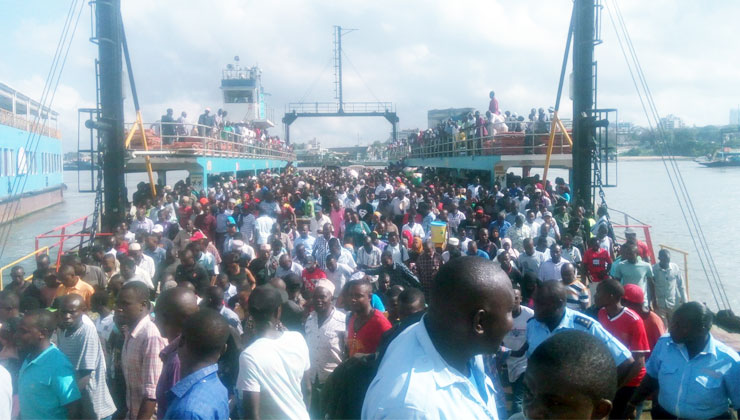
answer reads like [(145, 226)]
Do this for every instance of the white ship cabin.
[(243, 95)]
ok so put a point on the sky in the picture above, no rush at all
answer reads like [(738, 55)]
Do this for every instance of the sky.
[(418, 54)]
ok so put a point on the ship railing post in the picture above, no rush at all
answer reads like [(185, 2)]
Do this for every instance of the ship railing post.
[(84, 225), (60, 251)]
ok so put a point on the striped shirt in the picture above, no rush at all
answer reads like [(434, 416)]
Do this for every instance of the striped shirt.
[(83, 349), (141, 364), (577, 296)]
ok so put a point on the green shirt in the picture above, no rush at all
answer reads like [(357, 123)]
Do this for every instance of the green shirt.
[(46, 384), (308, 208)]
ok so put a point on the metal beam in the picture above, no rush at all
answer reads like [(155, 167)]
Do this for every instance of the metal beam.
[(111, 116), (295, 116), (583, 84)]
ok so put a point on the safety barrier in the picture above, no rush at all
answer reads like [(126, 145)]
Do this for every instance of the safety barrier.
[(20, 260), (61, 237), (22, 123), (507, 143), (200, 140)]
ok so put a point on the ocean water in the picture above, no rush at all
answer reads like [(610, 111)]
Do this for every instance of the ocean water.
[(644, 191)]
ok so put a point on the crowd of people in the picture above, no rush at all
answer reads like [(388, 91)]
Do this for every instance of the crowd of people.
[(472, 131), (337, 294), (217, 126)]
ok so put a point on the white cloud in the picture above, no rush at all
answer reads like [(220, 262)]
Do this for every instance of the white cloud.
[(418, 54)]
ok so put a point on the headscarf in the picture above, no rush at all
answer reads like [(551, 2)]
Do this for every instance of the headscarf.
[(513, 253), (417, 245)]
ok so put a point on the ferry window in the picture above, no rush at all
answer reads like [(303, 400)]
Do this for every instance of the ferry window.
[(6, 102), (21, 107), (12, 159), (238, 97)]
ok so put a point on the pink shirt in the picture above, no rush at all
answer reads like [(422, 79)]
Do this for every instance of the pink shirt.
[(337, 220), (141, 364)]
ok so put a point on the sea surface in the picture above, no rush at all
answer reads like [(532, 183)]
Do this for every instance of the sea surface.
[(643, 191)]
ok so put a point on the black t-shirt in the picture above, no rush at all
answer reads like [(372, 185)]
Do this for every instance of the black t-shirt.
[(292, 316), (196, 274)]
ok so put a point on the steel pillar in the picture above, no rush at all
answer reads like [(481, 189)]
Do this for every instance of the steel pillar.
[(108, 18), (583, 85)]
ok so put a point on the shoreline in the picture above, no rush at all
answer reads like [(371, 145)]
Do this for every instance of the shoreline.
[(640, 158)]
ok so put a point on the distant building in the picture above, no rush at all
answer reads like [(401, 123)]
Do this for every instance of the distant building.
[(436, 116), (404, 134), (625, 127), (735, 116), (351, 153), (671, 122)]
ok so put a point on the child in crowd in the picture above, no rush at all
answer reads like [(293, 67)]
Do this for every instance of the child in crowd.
[(587, 379), (222, 281)]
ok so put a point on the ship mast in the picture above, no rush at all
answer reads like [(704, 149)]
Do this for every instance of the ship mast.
[(110, 124), (584, 39)]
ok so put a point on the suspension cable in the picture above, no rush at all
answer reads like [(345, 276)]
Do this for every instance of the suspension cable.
[(34, 137), (669, 162)]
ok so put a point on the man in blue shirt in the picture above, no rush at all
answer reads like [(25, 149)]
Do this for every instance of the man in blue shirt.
[(468, 316), (501, 224), (552, 316), (46, 384), (200, 394), (695, 375)]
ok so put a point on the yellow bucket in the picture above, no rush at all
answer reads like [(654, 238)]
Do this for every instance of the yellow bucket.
[(439, 232)]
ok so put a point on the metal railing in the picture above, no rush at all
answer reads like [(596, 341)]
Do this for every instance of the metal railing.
[(20, 260), (507, 143), (201, 140), (61, 238), (22, 123), (333, 107), (685, 265)]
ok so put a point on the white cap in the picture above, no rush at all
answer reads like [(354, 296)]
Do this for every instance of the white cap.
[(157, 229), (134, 247), (453, 241)]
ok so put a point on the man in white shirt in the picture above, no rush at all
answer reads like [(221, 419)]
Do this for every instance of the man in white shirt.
[(412, 226), (141, 222), (143, 261), (532, 223), (263, 227), (131, 272), (326, 333), (550, 270), (272, 369), (400, 253), (514, 340), (339, 274), (318, 221), (286, 266)]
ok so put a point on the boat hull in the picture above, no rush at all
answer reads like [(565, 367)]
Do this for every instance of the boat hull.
[(720, 164), (31, 202)]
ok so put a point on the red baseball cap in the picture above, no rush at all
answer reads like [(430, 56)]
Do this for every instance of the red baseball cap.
[(197, 236), (203, 201), (633, 293)]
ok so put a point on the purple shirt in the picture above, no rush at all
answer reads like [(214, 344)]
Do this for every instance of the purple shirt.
[(170, 375)]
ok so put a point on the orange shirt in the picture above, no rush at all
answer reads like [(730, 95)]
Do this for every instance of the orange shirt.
[(81, 288)]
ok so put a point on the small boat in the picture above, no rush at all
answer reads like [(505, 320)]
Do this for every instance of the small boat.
[(722, 159)]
